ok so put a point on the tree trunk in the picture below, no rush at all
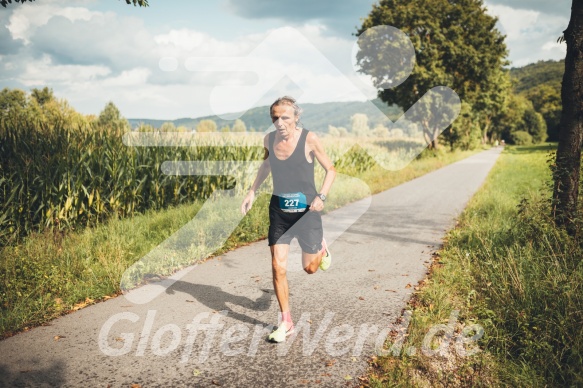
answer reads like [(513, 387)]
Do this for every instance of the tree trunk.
[(430, 135), (486, 129), (435, 142), (568, 162)]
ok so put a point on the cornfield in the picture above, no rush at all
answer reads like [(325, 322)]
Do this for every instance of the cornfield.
[(68, 178), (72, 174)]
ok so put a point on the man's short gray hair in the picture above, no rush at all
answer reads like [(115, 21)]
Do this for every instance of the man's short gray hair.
[(287, 100)]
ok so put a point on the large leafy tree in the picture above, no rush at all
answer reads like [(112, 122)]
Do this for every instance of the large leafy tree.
[(456, 45), (141, 3), (568, 162)]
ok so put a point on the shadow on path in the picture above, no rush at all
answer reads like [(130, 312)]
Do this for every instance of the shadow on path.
[(216, 299), (52, 376)]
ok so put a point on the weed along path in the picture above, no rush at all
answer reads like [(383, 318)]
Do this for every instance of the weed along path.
[(209, 328)]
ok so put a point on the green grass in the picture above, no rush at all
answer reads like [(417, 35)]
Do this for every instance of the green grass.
[(507, 268), (52, 273)]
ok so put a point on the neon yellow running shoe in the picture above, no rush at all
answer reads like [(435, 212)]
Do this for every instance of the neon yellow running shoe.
[(281, 333), (327, 258)]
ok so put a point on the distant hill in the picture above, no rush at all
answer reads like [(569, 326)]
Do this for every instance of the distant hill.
[(535, 74), (316, 117), (541, 83), (528, 81)]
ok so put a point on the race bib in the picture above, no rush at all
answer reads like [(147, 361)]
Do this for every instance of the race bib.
[(293, 202)]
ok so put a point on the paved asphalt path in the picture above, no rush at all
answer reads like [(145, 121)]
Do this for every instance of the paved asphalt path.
[(181, 338)]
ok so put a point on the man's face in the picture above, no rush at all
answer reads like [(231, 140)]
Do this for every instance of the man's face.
[(283, 119)]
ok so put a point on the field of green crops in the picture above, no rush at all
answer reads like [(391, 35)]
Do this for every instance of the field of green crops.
[(70, 177)]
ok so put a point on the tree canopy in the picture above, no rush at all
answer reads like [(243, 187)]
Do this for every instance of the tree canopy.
[(456, 45)]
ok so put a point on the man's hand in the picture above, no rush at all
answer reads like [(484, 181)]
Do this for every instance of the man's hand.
[(247, 202), (317, 205)]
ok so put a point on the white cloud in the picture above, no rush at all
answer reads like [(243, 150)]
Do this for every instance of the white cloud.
[(529, 33), (183, 39), (132, 77), (43, 72), (186, 42), (516, 23), (91, 57), (25, 20)]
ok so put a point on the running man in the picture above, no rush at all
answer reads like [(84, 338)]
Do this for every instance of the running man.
[(295, 206)]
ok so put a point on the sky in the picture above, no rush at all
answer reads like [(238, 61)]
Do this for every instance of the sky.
[(190, 58)]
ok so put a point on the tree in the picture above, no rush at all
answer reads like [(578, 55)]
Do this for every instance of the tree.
[(546, 100), (464, 133), (168, 127), (568, 161), (359, 124), (206, 126), (380, 131), (11, 100), (518, 115), (239, 126), (110, 117), (141, 3), (455, 42), (333, 131), (490, 102), (535, 124), (42, 96)]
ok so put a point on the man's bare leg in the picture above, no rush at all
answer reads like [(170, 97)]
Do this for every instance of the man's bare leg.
[(311, 261), (279, 254)]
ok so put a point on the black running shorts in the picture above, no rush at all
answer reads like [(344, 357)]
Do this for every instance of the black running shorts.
[(306, 226)]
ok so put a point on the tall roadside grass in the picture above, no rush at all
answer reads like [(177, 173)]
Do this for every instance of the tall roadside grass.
[(51, 272), (509, 269)]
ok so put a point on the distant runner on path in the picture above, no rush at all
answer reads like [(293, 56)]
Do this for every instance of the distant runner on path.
[(294, 209)]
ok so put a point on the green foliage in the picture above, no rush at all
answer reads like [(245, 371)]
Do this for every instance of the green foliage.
[(536, 125), (527, 272), (141, 3), (110, 118), (536, 74), (519, 116), (206, 126), (464, 133), (42, 96), (491, 102), (520, 138), (507, 268), (354, 162), (168, 127), (541, 83), (239, 126), (456, 45), (546, 99), (62, 170)]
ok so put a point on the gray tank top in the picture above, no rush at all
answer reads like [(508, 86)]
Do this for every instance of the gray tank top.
[(294, 174)]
